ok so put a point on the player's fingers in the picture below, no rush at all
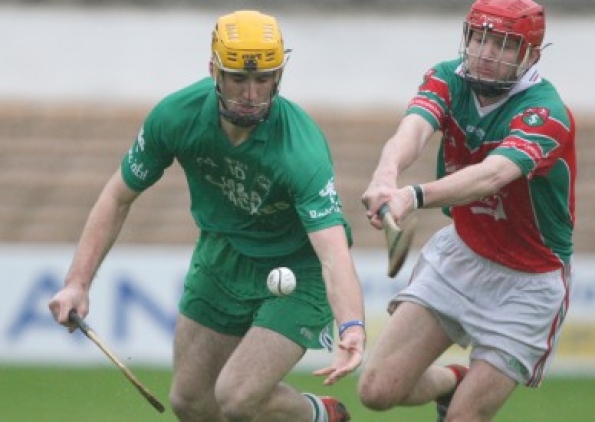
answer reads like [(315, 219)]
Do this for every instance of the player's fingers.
[(54, 309), (375, 221), (323, 372), (335, 376), (365, 201), (334, 373), (329, 373), (58, 310), (61, 305), (369, 204)]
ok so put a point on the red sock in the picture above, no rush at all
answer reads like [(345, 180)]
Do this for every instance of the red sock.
[(459, 370)]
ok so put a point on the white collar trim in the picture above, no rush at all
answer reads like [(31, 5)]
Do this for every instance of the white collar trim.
[(530, 78)]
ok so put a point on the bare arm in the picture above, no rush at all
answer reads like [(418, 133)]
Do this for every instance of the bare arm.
[(99, 234), (345, 297), (399, 152), (462, 187), (471, 183)]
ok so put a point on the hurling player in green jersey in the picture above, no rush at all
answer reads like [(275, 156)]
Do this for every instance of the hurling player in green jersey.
[(262, 192), (498, 277)]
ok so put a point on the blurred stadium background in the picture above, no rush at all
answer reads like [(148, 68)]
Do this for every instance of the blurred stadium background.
[(395, 6), (76, 80)]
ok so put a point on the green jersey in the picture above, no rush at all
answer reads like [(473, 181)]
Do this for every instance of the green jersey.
[(265, 194)]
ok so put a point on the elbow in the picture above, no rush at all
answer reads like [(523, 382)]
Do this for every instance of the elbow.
[(492, 185), (501, 172)]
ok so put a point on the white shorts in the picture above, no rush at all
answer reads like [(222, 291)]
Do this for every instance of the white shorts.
[(511, 319)]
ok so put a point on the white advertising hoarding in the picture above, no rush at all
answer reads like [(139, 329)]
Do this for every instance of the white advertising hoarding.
[(134, 305)]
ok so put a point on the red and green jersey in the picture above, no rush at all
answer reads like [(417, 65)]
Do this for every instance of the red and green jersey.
[(264, 194), (528, 224)]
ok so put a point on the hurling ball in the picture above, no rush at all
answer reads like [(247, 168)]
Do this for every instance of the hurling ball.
[(281, 281)]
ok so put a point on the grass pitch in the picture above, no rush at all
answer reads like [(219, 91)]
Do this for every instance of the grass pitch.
[(104, 395)]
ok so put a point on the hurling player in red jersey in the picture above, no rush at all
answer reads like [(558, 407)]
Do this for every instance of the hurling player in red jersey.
[(498, 278)]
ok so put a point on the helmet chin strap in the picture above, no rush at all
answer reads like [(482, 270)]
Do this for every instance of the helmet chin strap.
[(242, 120), (488, 89)]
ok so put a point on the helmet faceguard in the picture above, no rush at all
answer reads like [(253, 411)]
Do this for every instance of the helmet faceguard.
[(247, 42), (522, 21)]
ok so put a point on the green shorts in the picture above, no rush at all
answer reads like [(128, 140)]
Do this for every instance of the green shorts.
[(226, 292)]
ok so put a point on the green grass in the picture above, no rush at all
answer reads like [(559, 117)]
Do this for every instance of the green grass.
[(104, 395)]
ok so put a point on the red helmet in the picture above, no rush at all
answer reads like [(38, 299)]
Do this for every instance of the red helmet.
[(523, 18)]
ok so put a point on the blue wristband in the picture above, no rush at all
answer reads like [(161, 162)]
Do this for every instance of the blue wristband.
[(349, 324)]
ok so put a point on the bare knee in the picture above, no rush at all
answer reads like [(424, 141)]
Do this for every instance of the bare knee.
[(236, 404), (237, 410), (193, 408), (461, 415), (379, 395), (182, 405)]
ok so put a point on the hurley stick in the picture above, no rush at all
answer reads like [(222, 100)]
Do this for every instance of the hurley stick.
[(398, 239), (90, 333)]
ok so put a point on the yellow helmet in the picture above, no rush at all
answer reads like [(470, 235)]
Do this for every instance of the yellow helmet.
[(247, 41)]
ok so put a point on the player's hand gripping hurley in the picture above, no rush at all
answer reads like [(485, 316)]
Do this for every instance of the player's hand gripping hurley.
[(398, 238), (90, 333)]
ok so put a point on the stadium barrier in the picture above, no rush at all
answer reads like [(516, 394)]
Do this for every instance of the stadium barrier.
[(134, 305)]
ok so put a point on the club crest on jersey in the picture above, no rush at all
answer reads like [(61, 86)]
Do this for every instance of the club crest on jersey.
[(535, 116), (330, 193)]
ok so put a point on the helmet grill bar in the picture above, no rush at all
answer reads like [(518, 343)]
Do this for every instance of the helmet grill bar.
[(490, 87)]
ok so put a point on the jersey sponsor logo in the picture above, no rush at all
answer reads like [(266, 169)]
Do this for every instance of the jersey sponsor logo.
[(136, 166), (206, 162), (532, 149), (492, 206), (138, 169), (426, 104), (325, 212), (242, 196), (535, 116), (264, 183), (237, 188), (140, 139), (479, 132)]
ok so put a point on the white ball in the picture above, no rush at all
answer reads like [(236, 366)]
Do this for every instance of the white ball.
[(281, 281)]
